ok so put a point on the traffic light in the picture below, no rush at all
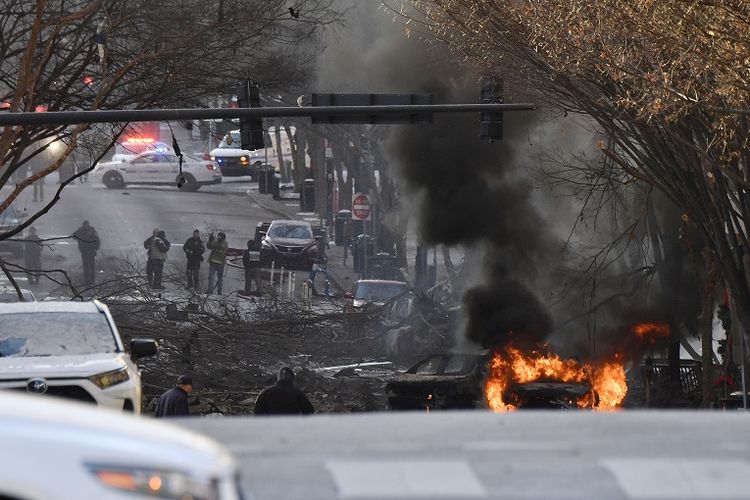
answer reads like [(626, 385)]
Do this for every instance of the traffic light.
[(251, 129), (491, 123)]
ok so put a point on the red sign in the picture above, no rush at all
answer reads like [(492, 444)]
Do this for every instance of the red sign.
[(361, 207)]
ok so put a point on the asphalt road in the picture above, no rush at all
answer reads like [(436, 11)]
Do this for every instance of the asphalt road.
[(124, 218), (524, 455)]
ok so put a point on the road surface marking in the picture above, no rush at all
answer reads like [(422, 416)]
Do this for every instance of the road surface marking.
[(681, 478), (404, 478), (517, 446)]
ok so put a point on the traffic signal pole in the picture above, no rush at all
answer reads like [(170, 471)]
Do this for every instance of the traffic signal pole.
[(8, 119)]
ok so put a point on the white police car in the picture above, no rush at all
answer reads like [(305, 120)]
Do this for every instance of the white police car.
[(158, 168)]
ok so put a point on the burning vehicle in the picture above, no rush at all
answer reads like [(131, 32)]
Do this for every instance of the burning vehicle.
[(506, 380)]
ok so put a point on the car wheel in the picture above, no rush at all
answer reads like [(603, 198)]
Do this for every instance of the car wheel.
[(113, 180), (190, 183)]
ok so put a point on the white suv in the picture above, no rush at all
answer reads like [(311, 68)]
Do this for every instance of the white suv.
[(72, 350), (56, 450)]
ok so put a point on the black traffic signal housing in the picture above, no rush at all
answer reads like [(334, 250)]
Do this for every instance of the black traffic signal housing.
[(251, 129), (491, 123)]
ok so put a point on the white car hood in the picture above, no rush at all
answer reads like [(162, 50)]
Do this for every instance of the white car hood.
[(229, 153), (76, 366)]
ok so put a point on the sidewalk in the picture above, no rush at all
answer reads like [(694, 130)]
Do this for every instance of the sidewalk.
[(343, 276)]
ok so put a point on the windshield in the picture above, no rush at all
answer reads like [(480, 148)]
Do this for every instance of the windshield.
[(290, 231), (12, 296), (379, 291), (234, 143), (55, 334)]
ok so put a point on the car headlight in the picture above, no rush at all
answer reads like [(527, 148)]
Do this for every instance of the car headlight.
[(244, 159), (157, 483), (213, 158), (108, 379)]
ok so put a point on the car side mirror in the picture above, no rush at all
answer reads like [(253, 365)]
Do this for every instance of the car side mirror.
[(142, 348)]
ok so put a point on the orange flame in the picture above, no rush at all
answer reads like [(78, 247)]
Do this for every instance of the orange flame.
[(511, 365), (649, 333)]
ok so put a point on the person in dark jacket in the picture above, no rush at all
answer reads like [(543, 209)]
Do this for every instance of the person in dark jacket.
[(251, 261), (194, 250), (174, 402), (283, 398), (32, 256), (157, 246), (88, 245)]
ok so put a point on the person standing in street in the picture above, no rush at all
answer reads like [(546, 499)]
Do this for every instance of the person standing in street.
[(216, 261), (157, 246), (283, 398), (194, 250), (251, 261), (174, 402), (88, 245), (32, 256)]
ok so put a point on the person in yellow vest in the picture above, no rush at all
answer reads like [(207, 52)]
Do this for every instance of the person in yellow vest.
[(216, 261)]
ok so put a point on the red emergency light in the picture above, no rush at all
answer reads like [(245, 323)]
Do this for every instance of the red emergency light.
[(140, 140)]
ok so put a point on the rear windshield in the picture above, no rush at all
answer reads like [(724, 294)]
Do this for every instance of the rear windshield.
[(379, 291), (54, 334), (290, 231)]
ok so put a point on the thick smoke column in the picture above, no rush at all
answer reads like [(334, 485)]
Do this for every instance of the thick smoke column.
[(468, 193), (471, 194)]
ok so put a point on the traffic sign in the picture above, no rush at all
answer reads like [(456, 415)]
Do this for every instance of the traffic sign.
[(361, 208)]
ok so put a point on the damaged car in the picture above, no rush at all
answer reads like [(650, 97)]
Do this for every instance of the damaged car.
[(440, 382)]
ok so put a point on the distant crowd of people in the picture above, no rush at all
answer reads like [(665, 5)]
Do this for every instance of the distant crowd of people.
[(282, 398), (157, 247)]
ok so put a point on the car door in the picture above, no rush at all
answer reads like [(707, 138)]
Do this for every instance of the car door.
[(152, 167)]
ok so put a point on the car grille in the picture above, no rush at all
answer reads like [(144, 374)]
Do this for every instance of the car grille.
[(74, 392), (285, 249)]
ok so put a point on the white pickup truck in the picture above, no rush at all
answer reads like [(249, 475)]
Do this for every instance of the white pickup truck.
[(71, 350)]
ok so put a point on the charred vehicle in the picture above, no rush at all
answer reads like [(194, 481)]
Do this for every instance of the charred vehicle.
[(457, 381), (440, 382)]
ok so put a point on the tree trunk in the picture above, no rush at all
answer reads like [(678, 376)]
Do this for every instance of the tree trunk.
[(318, 159)]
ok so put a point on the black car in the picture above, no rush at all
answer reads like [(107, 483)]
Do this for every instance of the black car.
[(456, 381), (440, 382), (290, 244)]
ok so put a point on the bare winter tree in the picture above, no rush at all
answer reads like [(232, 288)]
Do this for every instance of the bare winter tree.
[(61, 55), (664, 81)]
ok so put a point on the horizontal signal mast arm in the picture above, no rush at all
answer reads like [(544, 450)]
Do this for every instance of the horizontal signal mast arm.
[(147, 115)]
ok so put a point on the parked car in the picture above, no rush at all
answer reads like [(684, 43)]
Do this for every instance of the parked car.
[(441, 381), (71, 350), (289, 243), (376, 292), (10, 219), (9, 294), (59, 450), (158, 168), (130, 148)]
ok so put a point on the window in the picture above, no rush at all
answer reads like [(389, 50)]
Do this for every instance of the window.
[(430, 367), (290, 231)]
